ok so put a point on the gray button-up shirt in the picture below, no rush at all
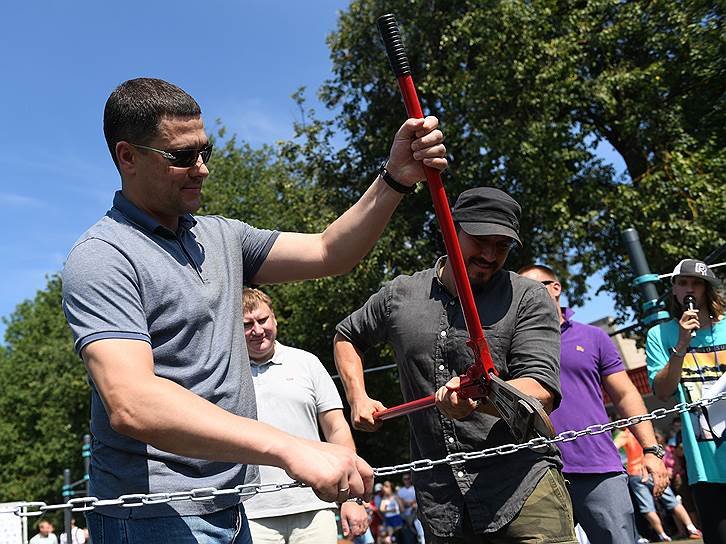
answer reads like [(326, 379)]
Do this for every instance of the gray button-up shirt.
[(425, 325)]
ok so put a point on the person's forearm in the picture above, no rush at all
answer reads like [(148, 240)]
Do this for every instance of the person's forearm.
[(173, 419), (335, 429), (295, 256), (533, 388), (667, 379), (629, 405), (528, 386), (350, 237), (349, 362), (342, 436)]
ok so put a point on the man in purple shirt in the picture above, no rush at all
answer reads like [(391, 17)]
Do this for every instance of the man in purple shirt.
[(597, 483)]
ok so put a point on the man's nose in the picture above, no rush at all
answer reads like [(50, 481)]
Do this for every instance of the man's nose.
[(488, 250), (200, 167)]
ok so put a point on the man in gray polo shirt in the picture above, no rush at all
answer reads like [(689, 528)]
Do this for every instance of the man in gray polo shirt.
[(295, 394), (152, 295), (519, 497)]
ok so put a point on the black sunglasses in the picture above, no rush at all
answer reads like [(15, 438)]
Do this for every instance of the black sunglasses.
[(547, 282), (182, 158)]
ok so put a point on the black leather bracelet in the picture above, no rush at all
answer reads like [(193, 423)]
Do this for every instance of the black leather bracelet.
[(392, 183)]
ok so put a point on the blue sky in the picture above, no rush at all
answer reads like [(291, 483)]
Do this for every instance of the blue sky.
[(240, 60)]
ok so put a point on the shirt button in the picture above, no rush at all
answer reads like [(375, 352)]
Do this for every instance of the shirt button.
[(460, 474), (441, 367), (443, 334), (451, 440), (452, 302)]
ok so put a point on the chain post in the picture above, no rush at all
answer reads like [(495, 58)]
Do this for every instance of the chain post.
[(67, 495)]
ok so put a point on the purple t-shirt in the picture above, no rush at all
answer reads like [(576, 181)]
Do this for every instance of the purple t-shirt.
[(586, 354)]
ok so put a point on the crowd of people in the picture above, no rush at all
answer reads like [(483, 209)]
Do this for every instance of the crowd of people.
[(392, 515), (191, 387), (46, 534)]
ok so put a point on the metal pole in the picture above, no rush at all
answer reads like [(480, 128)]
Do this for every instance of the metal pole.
[(86, 453), (653, 307), (67, 495)]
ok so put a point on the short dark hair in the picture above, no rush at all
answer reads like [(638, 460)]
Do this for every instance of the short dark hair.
[(135, 109), (546, 270)]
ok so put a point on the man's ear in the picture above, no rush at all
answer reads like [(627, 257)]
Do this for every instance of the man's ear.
[(126, 155), (557, 288)]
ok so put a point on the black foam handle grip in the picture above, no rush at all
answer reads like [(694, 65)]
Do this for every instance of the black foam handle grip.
[(388, 28)]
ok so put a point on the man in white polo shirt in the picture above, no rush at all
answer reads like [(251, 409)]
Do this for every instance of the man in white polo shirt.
[(294, 393)]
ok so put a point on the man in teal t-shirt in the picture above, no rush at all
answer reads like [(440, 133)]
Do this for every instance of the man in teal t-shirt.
[(689, 365)]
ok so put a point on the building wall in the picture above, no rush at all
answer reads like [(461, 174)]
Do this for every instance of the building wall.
[(633, 357)]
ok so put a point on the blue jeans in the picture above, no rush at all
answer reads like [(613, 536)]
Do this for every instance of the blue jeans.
[(643, 493), (227, 526), (602, 506)]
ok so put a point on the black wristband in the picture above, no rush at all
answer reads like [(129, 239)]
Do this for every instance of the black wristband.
[(674, 351), (392, 183)]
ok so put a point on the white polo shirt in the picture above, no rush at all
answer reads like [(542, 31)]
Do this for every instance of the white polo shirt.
[(291, 389)]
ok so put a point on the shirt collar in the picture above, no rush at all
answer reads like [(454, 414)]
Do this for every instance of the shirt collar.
[(567, 313), (440, 262), (276, 358), (145, 221)]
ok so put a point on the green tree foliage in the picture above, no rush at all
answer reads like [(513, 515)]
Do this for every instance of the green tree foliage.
[(44, 401), (527, 90)]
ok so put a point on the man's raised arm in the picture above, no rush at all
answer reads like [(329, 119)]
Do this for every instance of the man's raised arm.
[(335, 251)]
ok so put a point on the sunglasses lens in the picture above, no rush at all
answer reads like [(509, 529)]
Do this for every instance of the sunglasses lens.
[(186, 158), (206, 152)]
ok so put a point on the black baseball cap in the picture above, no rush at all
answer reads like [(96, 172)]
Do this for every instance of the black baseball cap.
[(484, 211), (695, 269)]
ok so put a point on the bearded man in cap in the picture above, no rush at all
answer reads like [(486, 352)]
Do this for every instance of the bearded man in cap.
[(686, 357), (519, 497)]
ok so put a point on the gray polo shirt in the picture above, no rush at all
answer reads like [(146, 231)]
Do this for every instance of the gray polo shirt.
[(425, 326), (292, 389), (130, 277)]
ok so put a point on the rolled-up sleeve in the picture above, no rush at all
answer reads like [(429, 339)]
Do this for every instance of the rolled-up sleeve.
[(368, 325), (535, 346)]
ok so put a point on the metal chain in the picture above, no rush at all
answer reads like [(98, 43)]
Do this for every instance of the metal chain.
[(540, 442), (87, 504)]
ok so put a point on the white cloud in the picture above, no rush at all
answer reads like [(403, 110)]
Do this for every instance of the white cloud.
[(20, 201), (253, 121)]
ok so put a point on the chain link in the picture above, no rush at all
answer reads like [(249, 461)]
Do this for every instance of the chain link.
[(136, 500), (540, 442)]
